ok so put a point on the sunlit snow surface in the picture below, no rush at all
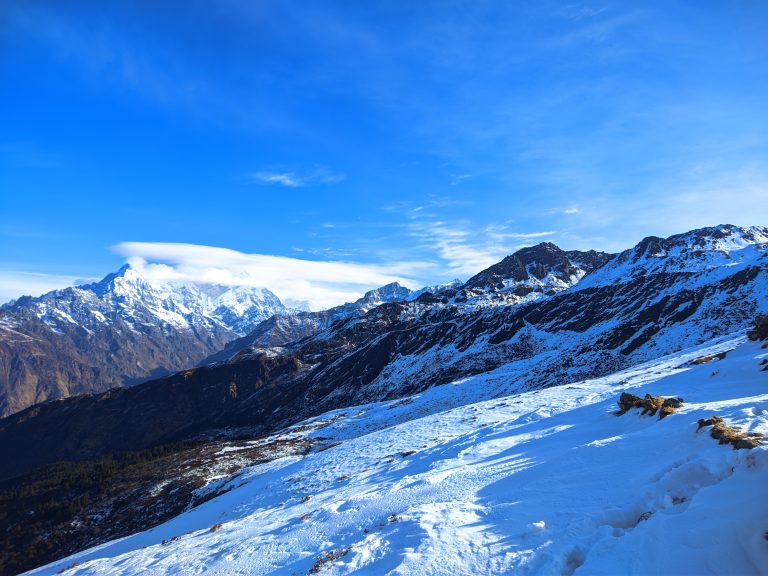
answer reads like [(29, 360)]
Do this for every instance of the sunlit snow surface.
[(545, 482)]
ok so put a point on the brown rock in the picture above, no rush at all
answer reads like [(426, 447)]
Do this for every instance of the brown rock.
[(725, 434), (649, 405)]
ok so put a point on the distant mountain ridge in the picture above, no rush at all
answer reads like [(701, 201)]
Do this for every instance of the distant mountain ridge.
[(706, 249), (281, 329), (638, 305), (526, 275), (117, 331)]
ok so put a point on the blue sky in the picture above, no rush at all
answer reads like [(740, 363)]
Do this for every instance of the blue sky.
[(418, 141)]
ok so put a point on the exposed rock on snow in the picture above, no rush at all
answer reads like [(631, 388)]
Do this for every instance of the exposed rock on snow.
[(730, 435), (649, 404)]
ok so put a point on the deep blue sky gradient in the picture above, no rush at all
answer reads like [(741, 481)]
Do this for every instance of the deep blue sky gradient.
[(443, 132)]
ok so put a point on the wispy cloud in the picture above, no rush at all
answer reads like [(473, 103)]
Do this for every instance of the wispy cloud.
[(591, 26), (432, 202), (321, 283), (580, 12), (16, 283), (293, 179), (288, 179), (567, 210), (459, 247), (502, 232), (458, 178), (464, 250)]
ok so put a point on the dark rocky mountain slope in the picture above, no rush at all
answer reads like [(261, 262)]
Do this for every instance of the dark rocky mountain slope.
[(661, 296)]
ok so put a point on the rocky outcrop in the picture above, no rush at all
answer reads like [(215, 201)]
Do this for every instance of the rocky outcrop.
[(648, 405), (536, 263), (725, 434), (760, 330)]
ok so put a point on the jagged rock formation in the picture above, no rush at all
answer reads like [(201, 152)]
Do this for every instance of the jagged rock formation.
[(659, 297), (648, 405), (543, 267)]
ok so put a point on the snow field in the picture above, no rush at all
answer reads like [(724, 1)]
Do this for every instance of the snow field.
[(446, 482)]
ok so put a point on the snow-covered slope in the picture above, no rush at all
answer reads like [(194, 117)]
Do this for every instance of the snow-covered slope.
[(118, 331), (711, 252), (622, 313), (544, 482)]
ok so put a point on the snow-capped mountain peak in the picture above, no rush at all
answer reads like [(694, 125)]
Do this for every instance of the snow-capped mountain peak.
[(282, 329), (120, 330), (183, 305), (724, 238), (529, 274), (392, 292)]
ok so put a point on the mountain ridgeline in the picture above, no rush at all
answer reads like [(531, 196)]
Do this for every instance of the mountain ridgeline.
[(577, 314), (126, 329), (119, 331)]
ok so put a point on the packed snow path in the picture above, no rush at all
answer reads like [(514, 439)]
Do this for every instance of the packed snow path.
[(545, 482)]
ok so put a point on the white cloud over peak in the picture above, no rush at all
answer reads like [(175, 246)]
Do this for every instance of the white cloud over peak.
[(321, 283)]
